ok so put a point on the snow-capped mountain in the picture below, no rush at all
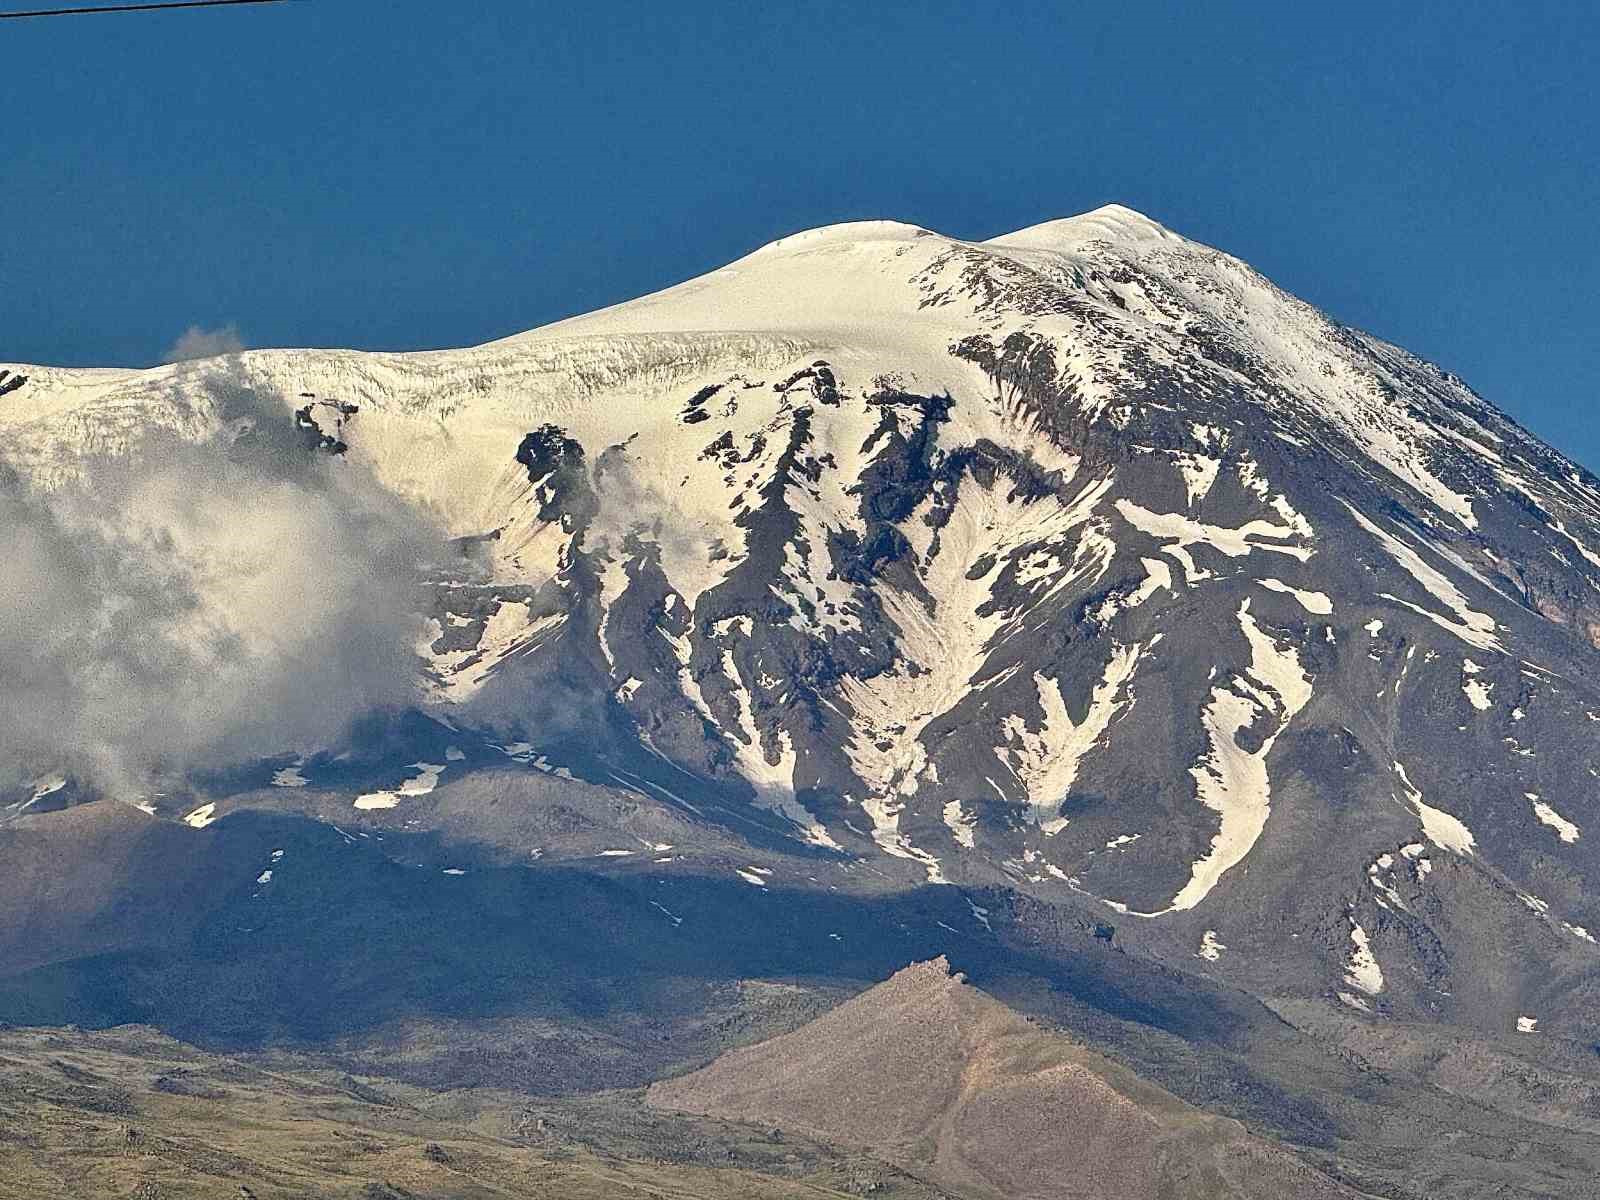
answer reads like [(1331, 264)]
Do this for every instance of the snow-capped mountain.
[(1083, 563)]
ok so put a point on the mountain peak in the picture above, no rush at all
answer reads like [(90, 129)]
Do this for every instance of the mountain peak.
[(847, 232), (1108, 223)]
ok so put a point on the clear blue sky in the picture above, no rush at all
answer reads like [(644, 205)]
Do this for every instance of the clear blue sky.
[(394, 174)]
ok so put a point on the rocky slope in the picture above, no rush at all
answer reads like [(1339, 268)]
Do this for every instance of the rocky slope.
[(987, 1102)]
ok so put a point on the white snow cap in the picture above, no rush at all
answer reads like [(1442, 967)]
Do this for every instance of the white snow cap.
[(1108, 223), (847, 231)]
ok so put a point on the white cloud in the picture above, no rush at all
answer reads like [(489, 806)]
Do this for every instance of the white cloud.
[(195, 343), (204, 605)]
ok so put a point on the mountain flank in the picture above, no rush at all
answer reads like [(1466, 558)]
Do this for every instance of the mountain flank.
[(928, 1071)]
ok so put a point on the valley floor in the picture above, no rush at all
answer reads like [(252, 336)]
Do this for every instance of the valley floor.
[(129, 1112)]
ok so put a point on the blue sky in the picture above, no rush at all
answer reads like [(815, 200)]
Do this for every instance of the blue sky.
[(398, 174)]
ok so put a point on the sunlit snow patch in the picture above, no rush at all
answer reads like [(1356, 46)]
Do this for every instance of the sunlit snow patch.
[(1199, 472), (1211, 946), (1438, 826), (1376, 870), (202, 816), (773, 781), (1046, 760), (1565, 829), (1229, 780), (1363, 970), (961, 824), (1157, 577), (1477, 690), (1527, 1024), (1316, 603), (419, 785), (1477, 629), (1178, 532), (510, 630), (542, 764)]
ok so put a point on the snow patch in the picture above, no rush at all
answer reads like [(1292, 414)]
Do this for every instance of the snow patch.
[(961, 824), (1477, 629), (1315, 603), (773, 780), (1179, 532), (1477, 690), (1046, 761), (1363, 971), (1229, 780), (1438, 826), (1157, 577), (1565, 829), (1199, 472), (201, 817), (421, 784), (979, 913)]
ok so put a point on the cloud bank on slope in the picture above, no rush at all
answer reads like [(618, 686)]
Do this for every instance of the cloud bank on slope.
[(203, 604)]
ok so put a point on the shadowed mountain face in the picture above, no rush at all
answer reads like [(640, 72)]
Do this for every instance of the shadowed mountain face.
[(986, 1101), (1079, 589)]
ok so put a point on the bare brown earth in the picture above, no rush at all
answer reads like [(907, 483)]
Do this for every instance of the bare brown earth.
[(926, 1071), (131, 1113)]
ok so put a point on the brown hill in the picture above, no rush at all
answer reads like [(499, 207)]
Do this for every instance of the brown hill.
[(927, 1071)]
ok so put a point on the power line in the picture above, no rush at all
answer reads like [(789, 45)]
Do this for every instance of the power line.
[(115, 8)]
